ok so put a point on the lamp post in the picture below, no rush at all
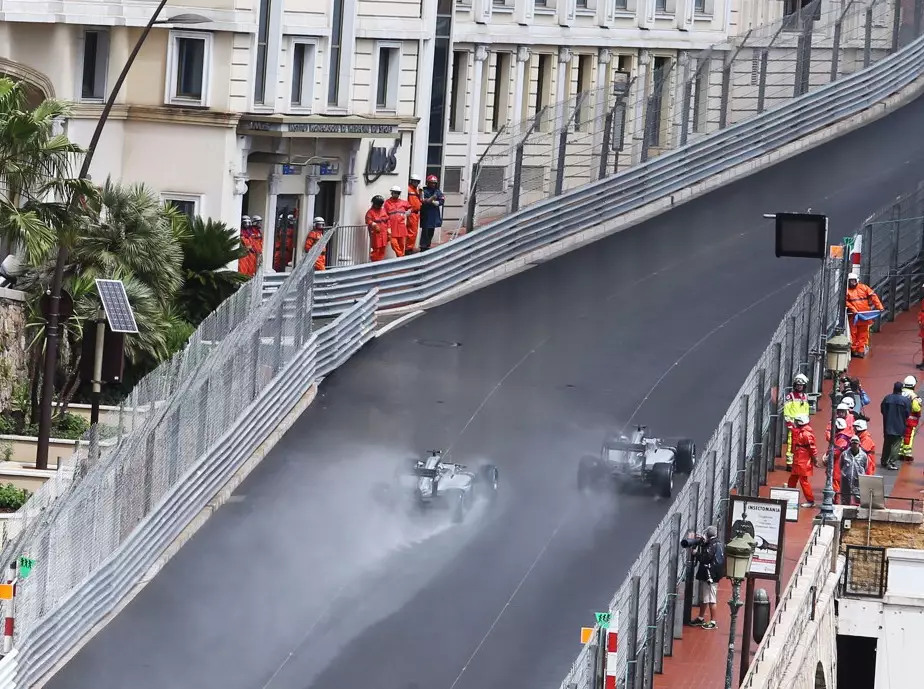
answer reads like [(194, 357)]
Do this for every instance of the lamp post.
[(837, 355), (51, 329), (738, 553)]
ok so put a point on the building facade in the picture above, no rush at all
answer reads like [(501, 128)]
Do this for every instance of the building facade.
[(311, 107)]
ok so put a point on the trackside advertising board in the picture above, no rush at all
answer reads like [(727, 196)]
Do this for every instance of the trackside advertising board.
[(765, 520)]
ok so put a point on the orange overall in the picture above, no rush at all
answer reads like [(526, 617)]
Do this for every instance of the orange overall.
[(841, 443), (377, 223), (413, 220), (804, 453), (282, 250), (859, 299), (252, 240), (869, 447), (314, 235), (397, 222)]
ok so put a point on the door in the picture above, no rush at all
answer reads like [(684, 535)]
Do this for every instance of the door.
[(325, 203), (286, 230)]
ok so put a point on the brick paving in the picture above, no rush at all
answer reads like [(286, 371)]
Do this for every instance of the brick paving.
[(698, 660)]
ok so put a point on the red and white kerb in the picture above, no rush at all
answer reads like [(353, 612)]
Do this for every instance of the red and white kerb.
[(856, 254), (612, 644)]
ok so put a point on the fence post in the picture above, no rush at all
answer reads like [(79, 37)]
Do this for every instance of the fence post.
[(868, 36), (277, 353), (762, 83), (175, 459), (760, 404), (518, 162), (791, 336), (836, 47), (563, 145), (808, 311), (728, 432), (726, 87), (776, 441), (148, 476), (651, 641), (673, 599), (685, 111), (689, 590), (632, 645), (741, 480), (891, 307), (712, 461), (918, 6), (896, 24), (203, 420)]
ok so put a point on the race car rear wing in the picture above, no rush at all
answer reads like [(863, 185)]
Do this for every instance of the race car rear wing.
[(423, 472)]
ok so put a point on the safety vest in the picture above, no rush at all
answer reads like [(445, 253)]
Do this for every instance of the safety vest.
[(916, 403), (795, 404)]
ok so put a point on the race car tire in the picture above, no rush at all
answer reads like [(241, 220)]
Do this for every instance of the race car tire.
[(590, 471), (459, 505), (685, 456), (662, 478), (490, 476)]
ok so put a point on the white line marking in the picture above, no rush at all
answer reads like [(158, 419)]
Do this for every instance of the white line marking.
[(398, 322), (512, 596)]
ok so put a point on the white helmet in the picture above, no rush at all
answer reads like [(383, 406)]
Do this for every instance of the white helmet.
[(396, 188), (257, 218), (840, 424), (910, 382), (843, 406), (850, 402), (802, 419), (800, 378), (853, 276), (319, 220), (860, 425), (416, 178)]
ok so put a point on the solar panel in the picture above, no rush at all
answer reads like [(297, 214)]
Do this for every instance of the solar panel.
[(115, 304)]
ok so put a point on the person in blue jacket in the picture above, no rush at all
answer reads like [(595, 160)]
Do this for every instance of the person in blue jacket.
[(431, 213)]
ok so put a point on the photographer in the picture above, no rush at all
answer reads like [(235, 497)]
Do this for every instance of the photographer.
[(709, 553)]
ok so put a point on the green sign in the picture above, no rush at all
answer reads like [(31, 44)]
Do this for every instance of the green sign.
[(849, 241), (25, 567), (603, 619)]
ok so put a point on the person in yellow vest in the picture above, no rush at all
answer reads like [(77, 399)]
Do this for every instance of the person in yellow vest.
[(795, 404), (914, 418)]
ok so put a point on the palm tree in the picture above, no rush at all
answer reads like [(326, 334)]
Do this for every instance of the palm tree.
[(208, 247), (126, 234), (37, 169)]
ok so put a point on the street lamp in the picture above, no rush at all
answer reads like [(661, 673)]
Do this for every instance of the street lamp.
[(738, 553), (51, 329), (837, 359)]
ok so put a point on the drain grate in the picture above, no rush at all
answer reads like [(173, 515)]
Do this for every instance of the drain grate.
[(438, 343)]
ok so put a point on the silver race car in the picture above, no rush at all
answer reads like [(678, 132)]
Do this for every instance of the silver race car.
[(432, 483), (637, 459)]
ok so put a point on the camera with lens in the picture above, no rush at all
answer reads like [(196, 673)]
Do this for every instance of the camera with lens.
[(693, 541)]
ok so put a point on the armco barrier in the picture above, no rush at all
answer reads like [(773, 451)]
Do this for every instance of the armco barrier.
[(743, 448), (61, 605), (412, 279)]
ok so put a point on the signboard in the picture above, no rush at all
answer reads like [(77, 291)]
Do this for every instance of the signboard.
[(381, 161), (801, 235), (25, 566), (6, 591), (765, 520), (343, 129), (329, 169), (586, 634), (791, 496), (289, 169), (603, 619)]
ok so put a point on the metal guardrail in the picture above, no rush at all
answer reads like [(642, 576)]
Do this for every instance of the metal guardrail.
[(419, 277), (104, 529)]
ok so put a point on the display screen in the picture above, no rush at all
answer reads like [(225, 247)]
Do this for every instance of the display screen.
[(801, 235)]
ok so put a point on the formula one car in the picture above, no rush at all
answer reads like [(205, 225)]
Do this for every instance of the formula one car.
[(432, 483), (637, 459)]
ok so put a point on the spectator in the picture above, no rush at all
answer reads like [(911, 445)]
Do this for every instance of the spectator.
[(895, 410), (911, 423), (398, 211), (431, 215), (867, 443), (853, 466)]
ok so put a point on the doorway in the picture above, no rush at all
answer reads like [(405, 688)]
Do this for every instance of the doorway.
[(284, 250), (856, 662), (325, 203)]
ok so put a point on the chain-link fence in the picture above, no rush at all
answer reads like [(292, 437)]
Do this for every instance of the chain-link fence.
[(172, 418), (742, 451), (672, 101)]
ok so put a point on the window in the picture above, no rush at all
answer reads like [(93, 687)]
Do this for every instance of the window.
[(544, 90), (459, 89), (386, 80), (189, 68), (94, 65), (699, 6), (259, 90), (500, 105), (660, 5), (187, 204), (542, 3), (581, 4), (452, 180), (302, 74), (624, 4), (336, 42), (584, 73)]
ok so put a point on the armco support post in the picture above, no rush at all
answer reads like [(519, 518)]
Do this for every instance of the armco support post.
[(712, 461), (868, 37), (632, 641), (689, 589), (776, 441), (893, 263), (673, 614), (760, 476), (741, 477), (727, 433)]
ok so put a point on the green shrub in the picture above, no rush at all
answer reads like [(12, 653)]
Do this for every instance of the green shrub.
[(6, 451), (7, 427), (69, 426), (12, 498)]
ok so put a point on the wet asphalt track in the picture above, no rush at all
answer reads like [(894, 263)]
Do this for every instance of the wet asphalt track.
[(303, 584)]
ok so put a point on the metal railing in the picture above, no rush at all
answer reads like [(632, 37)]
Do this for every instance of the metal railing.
[(106, 517), (742, 451), (865, 573)]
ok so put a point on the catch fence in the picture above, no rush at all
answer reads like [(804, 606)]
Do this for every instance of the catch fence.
[(669, 103), (741, 453), (85, 513)]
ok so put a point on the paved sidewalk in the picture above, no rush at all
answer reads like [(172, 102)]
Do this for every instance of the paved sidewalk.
[(699, 658)]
